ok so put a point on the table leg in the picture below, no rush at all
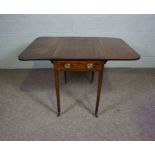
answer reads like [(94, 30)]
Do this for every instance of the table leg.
[(100, 77), (56, 77)]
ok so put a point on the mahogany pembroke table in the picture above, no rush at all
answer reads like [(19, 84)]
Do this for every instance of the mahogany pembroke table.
[(78, 54)]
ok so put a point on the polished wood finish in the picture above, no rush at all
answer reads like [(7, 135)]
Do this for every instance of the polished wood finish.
[(56, 77), (78, 54), (100, 77), (78, 48), (78, 65)]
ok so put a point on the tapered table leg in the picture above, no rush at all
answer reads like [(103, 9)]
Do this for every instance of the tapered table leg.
[(100, 77), (56, 77), (92, 77)]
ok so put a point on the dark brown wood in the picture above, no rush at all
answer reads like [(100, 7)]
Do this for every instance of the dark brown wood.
[(56, 77), (100, 77), (92, 77), (78, 65), (78, 54), (78, 48)]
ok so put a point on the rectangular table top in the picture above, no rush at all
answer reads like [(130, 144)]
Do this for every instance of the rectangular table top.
[(78, 48)]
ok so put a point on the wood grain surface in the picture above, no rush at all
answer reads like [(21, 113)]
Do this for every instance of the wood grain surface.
[(78, 48), (78, 65)]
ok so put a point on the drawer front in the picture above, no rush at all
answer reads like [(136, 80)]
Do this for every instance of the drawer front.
[(78, 65)]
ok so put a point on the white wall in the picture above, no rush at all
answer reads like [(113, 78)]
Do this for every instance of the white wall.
[(18, 31)]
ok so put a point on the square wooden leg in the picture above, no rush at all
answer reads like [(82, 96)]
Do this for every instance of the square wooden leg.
[(56, 77), (78, 66), (100, 77)]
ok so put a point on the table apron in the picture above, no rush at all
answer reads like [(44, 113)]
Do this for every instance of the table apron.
[(78, 65)]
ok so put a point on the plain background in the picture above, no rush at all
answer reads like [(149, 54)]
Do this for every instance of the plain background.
[(18, 31), (95, 6)]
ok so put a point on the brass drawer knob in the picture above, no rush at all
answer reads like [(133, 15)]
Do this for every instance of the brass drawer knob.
[(67, 65), (90, 66)]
